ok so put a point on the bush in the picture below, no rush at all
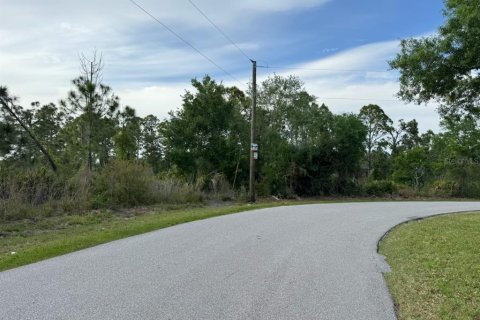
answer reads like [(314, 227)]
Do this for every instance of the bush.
[(129, 183), (38, 192), (444, 188), (351, 188), (220, 187), (471, 189), (380, 188), (33, 186), (122, 183), (406, 191), (31, 193)]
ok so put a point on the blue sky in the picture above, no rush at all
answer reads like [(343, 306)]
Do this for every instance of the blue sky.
[(149, 68)]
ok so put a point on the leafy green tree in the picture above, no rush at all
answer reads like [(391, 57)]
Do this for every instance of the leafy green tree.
[(331, 164), (382, 164), (206, 134), (20, 142), (151, 142), (47, 123), (403, 137), (378, 125), (457, 156), (348, 137), (288, 120), (74, 138), (445, 67), (289, 107), (304, 148), (9, 132), (128, 137), (410, 138), (412, 167), (93, 105)]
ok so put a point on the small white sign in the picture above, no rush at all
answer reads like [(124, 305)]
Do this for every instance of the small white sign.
[(255, 155)]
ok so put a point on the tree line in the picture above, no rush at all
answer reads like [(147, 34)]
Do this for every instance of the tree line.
[(90, 149)]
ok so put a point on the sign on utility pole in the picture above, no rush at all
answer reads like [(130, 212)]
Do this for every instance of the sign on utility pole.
[(253, 145)]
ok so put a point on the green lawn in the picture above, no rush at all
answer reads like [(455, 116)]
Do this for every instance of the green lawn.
[(435, 267)]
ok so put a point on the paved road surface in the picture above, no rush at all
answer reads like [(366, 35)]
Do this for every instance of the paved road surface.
[(302, 262)]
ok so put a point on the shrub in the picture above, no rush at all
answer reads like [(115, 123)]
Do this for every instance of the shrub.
[(31, 193), (351, 187), (471, 189), (122, 183), (380, 188), (220, 187), (444, 188), (129, 183), (406, 191)]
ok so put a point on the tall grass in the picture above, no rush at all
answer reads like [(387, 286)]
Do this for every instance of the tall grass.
[(37, 192), (127, 184)]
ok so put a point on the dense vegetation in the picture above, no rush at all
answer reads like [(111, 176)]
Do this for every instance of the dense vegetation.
[(89, 151)]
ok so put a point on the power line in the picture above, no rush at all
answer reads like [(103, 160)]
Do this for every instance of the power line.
[(219, 30), (322, 69), (185, 41)]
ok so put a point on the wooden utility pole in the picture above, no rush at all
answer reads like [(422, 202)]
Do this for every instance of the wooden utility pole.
[(253, 145)]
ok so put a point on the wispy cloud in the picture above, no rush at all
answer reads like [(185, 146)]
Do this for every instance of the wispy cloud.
[(349, 79), (329, 50), (150, 69)]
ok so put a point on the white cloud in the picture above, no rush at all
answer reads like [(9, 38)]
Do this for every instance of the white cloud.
[(150, 69), (342, 97), (156, 100), (95, 14), (278, 5), (372, 56), (369, 81)]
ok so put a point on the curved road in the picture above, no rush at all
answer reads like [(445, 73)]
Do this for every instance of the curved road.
[(302, 262)]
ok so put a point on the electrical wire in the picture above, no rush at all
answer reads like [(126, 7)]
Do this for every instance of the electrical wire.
[(322, 69), (246, 56), (185, 41), (219, 30)]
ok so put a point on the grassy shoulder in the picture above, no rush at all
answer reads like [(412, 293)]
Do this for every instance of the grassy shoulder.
[(435, 267), (27, 241)]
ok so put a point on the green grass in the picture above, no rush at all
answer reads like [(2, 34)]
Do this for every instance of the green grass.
[(435, 267)]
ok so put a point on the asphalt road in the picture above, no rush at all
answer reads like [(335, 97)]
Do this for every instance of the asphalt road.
[(302, 262)]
